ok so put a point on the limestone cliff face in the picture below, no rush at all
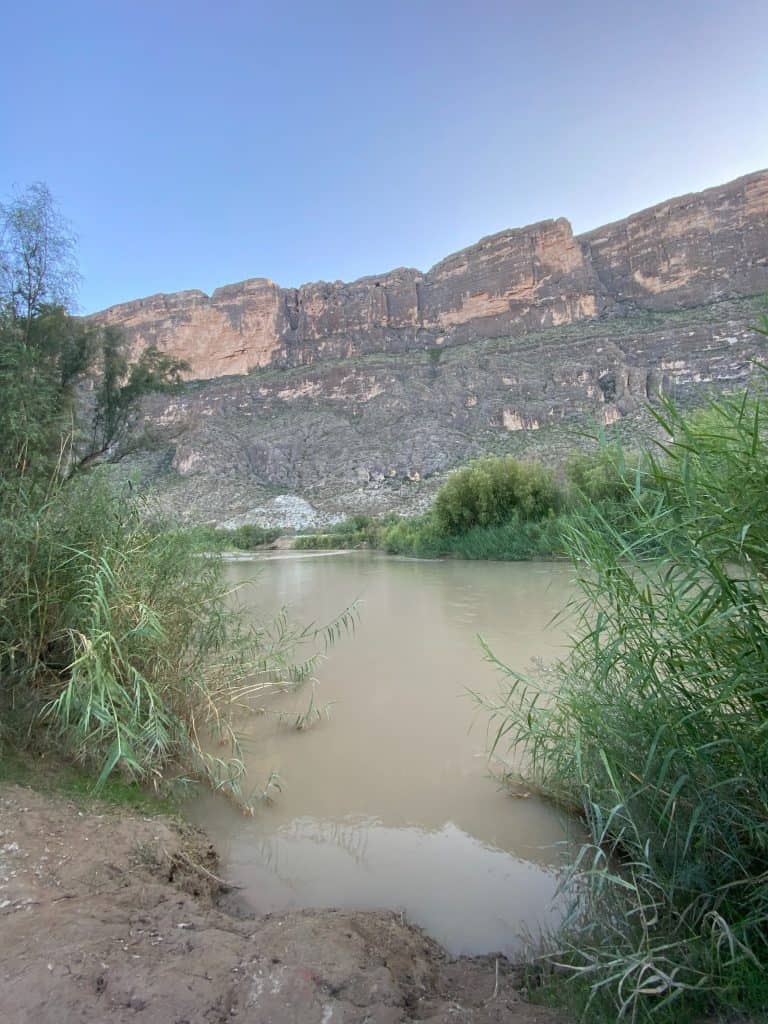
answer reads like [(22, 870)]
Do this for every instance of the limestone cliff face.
[(518, 280), (688, 251), (512, 282), (515, 344), (377, 433), (685, 252), (232, 331)]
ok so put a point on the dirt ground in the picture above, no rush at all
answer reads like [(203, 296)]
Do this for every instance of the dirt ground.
[(108, 916)]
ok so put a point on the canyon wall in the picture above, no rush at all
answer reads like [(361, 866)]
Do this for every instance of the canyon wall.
[(366, 394), (685, 252)]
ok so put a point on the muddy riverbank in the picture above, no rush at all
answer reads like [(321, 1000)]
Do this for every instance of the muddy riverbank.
[(109, 916)]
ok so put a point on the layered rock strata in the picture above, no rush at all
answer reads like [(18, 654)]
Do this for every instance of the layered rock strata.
[(379, 432), (362, 396), (685, 252)]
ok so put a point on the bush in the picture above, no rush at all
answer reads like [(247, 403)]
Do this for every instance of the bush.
[(606, 476), (513, 541), (249, 537), (356, 524), (325, 541), (491, 491), (355, 532), (243, 538), (116, 636)]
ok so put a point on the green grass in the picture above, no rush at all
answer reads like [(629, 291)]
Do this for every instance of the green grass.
[(242, 538), (356, 532), (49, 774), (514, 540), (329, 541), (120, 646)]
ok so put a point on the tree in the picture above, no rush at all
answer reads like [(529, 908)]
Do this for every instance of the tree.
[(495, 490), (45, 351), (120, 387), (38, 267)]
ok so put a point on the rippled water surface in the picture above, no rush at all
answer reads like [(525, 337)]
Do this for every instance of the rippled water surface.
[(388, 803)]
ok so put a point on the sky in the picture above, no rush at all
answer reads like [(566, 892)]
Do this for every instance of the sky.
[(196, 144)]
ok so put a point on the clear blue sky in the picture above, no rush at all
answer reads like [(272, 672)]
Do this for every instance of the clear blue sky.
[(194, 144)]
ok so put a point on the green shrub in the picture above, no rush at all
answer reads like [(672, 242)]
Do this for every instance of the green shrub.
[(323, 541), (355, 532), (417, 537), (496, 508), (117, 637), (493, 490), (357, 523), (608, 475), (206, 538), (243, 538), (249, 537), (514, 540)]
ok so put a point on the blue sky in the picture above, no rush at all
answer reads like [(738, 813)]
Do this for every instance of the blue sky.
[(195, 144)]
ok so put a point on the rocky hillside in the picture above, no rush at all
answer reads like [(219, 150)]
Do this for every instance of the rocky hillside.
[(362, 395)]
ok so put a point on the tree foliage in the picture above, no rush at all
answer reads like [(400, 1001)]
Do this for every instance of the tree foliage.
[(38, 267), (121, 384), (45, 352), (117, 640), (493, 490), (608, 474)]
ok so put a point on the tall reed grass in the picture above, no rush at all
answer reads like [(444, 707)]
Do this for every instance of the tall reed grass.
[(655, 730), (121, 640)]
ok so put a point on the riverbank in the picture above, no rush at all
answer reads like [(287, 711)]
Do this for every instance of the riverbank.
[(109, 915)]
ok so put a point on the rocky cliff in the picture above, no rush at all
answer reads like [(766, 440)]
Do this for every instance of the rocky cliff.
[(353, 395)]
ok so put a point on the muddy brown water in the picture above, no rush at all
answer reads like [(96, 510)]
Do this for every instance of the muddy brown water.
[(388, 802)]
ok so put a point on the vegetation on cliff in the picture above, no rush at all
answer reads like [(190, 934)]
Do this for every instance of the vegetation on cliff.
[(655, 730), (117, 640)]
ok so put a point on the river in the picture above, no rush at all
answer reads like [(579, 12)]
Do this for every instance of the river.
[(387, 802)]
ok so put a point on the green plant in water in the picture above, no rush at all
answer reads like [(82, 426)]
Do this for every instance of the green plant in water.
[(655, 730), (274, 784)]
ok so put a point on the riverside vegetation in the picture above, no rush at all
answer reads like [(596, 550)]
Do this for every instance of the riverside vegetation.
[(119, 645), (655, 730), (498, 508)]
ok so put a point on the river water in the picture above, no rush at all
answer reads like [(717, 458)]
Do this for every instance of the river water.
[(388, 802)]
